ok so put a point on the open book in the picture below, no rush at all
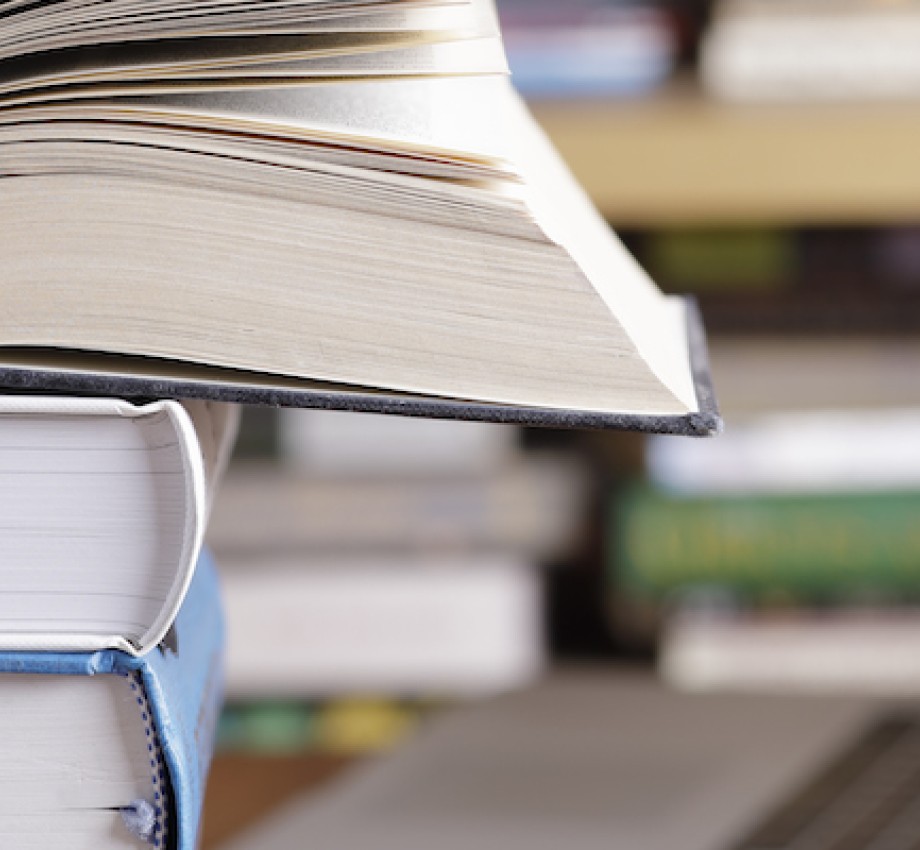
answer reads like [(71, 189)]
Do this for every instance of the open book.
[(315, 194)]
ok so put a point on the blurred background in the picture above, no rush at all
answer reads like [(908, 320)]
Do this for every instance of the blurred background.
[(761, 156)]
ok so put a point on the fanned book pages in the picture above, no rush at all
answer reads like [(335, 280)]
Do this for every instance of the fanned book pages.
[(104, 506), (317, 203)]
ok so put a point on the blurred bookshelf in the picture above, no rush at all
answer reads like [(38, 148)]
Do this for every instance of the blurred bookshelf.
[(793, 223), (771, 174), (796, 224)]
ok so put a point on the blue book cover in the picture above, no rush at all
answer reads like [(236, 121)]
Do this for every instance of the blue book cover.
[(180, 684), (588, 48)]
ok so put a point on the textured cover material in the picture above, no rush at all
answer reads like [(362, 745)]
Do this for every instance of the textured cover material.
[(127, 377), (183, 681)]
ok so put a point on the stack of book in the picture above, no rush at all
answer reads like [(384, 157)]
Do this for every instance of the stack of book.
[(840, 281), (110, 623), (781, 557), (391, 556), (319, 203)]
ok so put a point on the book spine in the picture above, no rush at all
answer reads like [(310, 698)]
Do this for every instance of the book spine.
[(815, 548), (183, 678)]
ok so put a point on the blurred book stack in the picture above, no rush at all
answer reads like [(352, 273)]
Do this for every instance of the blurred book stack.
[(813, 49), (588, 47), (785, 556), (828, 280), (387, 558), (802, 318)]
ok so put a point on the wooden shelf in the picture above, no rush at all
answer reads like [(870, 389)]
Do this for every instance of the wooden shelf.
[(243, 789), (681, 158)]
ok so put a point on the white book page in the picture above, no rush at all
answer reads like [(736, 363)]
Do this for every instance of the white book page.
[(426, 623), (79, 24), (157, 73), (459, 117)]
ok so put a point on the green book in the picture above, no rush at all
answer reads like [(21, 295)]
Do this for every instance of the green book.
[(803, 548), (732, 260)]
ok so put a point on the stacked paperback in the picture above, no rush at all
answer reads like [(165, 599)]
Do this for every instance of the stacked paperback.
[(110, 623)]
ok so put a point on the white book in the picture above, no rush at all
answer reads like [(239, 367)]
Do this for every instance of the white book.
[(809, 452), (104, 506), (416, 624), (841, 652), (328, 442), (813, 50), (535, 506)]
